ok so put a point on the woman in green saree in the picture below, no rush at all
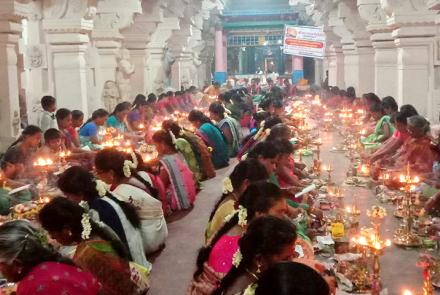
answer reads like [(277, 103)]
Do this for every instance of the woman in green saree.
[(212, 136), (384, 128)]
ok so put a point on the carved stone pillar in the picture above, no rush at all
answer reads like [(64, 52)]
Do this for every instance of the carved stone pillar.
[(68, 42), (413, 26), (180, 70), (136, 39), (359, 55), (112, 16), (336, 66), (159, 60), (385, 52), (11, 14)]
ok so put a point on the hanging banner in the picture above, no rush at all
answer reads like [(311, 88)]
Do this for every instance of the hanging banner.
[(304, 41)]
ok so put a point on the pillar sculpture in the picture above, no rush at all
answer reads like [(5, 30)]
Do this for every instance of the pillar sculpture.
[(11, 14)]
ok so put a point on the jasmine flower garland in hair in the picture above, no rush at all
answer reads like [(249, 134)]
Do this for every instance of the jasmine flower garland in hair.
[(128, 165), (134, 159), (101, 187), (250, 290), (229, 217), (227, 186), (87, 227), (242, 216), (237, 258)]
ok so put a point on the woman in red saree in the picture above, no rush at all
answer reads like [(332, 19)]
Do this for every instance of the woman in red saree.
[(416, 151), (27, 258)]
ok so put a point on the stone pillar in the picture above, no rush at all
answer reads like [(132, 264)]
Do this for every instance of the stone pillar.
[(298, 68), (11, 14), (414, 30), (221, 74), (366, 68), (413, 72), (178, 44), (225, 51), (136, 39), (385, 61), (385, 54), (336, 67), (68, 42), (35, 78), (159, 60), (319, 71)]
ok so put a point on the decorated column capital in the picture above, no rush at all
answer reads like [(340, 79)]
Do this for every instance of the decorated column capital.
[(406, 17)]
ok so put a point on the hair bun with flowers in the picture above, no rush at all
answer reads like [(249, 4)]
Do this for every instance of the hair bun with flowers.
[(242, 216), (237, 258), (101, 187), (227, 186)]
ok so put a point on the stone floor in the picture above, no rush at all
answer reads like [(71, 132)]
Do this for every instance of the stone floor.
[(173, 268)]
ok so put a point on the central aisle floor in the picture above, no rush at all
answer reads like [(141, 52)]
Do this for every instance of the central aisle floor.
[(173, 268)]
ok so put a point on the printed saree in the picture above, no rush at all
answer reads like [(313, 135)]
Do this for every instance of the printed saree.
[(235, 128), (181, 192), (116, 275), (213, 138)]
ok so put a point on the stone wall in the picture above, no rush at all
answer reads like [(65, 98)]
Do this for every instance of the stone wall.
[(390, 47), (79, 50)]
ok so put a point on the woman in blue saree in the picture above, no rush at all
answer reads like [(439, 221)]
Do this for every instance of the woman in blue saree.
[(230, 128), (213, 138)]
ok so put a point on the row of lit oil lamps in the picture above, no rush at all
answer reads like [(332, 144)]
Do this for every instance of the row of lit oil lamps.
[(372, 241)]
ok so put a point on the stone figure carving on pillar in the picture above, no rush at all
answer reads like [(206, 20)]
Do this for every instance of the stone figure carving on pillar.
[(124, 72), (16, 123), (35, 56), (110, 95), (169, 60)]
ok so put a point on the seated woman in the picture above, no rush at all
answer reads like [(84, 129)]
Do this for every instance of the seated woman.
[(260, 135), (216, 259), (118, 119), (193, 149), (27, 259), (138, 115), (268, 157), (213, 138), (287, 278), (390, 146), (54, 144), (383, 130), (98, 249), (268, 240), (176, 177), (244, 174), (230, 127), (77, 122), (26, 145), (116, 168), (11, 168), (238, 107), (416, 151), (89, 132), (285, 170), (80, 185)]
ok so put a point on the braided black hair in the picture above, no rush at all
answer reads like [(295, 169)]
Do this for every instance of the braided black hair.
[(265, 237), (258, 197)]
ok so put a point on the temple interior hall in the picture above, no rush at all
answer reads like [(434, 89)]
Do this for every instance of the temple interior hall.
[(225, 147)]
